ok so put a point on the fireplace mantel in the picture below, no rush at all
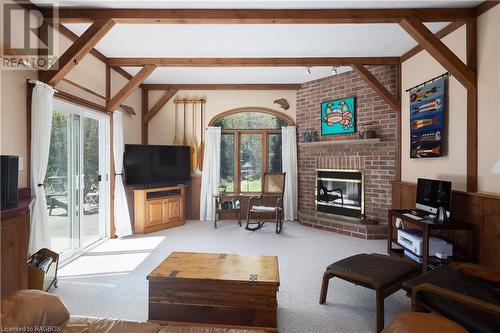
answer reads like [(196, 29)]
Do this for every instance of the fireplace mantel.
[(340, 142)]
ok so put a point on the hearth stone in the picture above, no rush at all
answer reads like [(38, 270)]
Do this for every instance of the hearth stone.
[(342, 225)]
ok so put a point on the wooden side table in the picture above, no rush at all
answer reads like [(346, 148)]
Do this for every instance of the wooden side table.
[(219, 201)]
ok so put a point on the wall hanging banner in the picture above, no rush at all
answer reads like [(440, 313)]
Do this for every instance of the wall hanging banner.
[(427, 105)]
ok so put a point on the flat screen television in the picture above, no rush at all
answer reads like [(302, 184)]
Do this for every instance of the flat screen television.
[(156, 165), (432, 194)]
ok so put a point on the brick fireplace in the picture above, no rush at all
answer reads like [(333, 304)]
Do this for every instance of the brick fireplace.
[(374, 158), (340, 192)]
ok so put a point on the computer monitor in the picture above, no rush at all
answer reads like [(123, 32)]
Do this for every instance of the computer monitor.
[(432, 194)]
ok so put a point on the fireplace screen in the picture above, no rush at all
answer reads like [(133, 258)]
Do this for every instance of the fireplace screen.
[(340, 192)]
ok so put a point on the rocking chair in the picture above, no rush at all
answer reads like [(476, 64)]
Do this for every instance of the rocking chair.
[(268, 203)]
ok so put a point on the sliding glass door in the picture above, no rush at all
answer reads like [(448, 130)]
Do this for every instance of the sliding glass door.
[(77, 178)]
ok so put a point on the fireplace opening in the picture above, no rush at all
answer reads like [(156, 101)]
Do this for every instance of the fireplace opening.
[(340, 192)]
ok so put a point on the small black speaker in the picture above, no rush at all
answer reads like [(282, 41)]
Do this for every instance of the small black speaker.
[(10, 172)]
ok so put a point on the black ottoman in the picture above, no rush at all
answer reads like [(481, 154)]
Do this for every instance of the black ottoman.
[(382, 273)]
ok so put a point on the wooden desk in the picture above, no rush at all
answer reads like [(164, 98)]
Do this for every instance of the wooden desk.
[(215, 289), (424, 225)]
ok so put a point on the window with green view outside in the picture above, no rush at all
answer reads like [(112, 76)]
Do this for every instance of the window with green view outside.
[(251, 145)]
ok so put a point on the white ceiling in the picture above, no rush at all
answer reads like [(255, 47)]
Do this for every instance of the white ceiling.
[(260, 4), (253, 40)]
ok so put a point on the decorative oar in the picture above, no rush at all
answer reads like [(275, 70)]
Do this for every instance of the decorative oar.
[(194, 144), (201, 150), (184, 142), (176, 139)]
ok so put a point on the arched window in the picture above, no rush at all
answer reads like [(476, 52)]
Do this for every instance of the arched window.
[(251, 144)]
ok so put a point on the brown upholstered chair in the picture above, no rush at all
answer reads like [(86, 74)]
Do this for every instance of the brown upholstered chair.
[(268, 203), (467, 294), (37, 311), (418, 322)]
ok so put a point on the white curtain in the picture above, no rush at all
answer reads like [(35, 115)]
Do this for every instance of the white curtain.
[(123, 226), (41, 126), (211, 173), (289, 158)]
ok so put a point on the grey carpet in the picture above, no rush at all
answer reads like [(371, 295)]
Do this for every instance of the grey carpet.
[(110, 280)]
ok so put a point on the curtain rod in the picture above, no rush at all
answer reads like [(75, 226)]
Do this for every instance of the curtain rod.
[(431, 80), (42, 84)]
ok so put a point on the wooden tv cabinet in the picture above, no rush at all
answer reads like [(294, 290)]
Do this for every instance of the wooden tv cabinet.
[(158, 208)]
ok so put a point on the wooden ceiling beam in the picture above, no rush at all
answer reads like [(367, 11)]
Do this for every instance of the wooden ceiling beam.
[(129, 87), (440, 34), (439, 51), (375, 84), (157, 107), (253, 62), (79, 49), (485, 6), (258, 16), (223, 86)]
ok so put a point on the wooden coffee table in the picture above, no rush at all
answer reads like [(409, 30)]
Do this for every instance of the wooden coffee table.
[(215, 289)]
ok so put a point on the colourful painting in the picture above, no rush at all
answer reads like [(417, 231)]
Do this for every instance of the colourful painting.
[(338, 116), (427, 104)]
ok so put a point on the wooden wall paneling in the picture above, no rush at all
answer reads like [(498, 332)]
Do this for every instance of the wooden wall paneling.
[(491, 235), (480, 210), (193, 198), (468, 208), (395, 195)]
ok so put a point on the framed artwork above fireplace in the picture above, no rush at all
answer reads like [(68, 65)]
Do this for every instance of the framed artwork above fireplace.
[(338, 116)]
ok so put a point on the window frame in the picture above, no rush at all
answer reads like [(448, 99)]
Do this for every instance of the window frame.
[(237, 139)]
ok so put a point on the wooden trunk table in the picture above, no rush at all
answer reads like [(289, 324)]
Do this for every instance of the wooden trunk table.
[(215, 289)]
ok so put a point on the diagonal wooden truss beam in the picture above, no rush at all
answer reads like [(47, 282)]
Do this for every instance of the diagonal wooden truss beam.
[(436, 48), (157, 107), (130, 87), (375, 84), (83, 45), (440, 34)]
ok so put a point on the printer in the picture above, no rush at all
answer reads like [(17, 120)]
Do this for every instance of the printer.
[(411, 240)]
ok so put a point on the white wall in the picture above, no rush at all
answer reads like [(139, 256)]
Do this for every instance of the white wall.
[(161, 127), (488, 42), (453, 166)]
